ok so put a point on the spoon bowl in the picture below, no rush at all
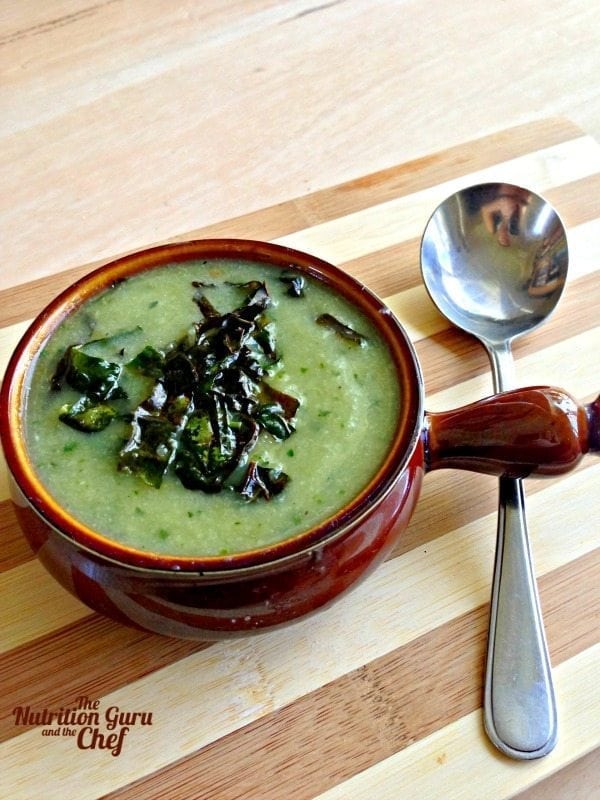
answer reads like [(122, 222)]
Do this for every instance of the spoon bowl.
[(494, 260)]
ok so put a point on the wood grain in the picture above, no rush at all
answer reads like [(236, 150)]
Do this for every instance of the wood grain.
[(379, 706), (381, 694), (129, 121)]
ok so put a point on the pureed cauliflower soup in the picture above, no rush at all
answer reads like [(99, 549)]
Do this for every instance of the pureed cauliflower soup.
[(211, 407)]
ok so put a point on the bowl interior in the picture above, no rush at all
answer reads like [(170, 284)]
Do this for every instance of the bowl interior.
[(14, 391)]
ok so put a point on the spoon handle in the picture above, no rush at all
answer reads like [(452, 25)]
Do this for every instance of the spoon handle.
[(503, 366), (519, 702), (519, 708)]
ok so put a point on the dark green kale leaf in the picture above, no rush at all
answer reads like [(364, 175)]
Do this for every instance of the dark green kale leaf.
[(256, 301), (150, 448), (96, 377), (264, 339), (295, 283), (87, 416), (271, 417), (149, 361), (180, 373), (262, 482), (213, 445), (156, 427), (345, 331)]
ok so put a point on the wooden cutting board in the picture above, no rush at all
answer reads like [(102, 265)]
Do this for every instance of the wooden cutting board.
[(379, 696)]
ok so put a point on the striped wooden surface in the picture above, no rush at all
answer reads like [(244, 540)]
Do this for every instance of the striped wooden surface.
[(379, 696)]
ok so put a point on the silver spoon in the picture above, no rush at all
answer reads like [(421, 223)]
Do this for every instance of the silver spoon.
[(494, 260)]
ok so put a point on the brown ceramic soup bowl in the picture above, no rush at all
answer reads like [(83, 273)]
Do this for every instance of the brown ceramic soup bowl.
[(540, 430)]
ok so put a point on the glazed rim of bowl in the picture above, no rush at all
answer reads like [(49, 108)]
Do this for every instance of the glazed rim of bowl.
[(23, 359)]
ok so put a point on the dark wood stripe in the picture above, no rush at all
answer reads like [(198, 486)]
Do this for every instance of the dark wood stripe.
[(431, 170), (14, 549), (333, 733), (567, 199)]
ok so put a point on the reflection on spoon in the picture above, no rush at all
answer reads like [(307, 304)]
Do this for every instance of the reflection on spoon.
[(501, 209)]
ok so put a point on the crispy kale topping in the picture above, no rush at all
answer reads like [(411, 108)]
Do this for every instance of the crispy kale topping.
[(208, 396), (86, 415), (262, 482), (295, 283), (95, 377), (98, 381), (345, 331), (209, 401)]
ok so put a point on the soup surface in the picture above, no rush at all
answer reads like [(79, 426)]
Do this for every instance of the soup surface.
[(321, 384)]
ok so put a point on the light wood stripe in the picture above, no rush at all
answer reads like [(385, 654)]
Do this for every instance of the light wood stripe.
[(584, 248)]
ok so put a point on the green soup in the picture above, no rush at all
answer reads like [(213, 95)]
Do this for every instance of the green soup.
[(319, 406)]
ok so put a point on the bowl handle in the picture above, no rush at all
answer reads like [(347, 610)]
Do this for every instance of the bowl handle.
[(538, 430)]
